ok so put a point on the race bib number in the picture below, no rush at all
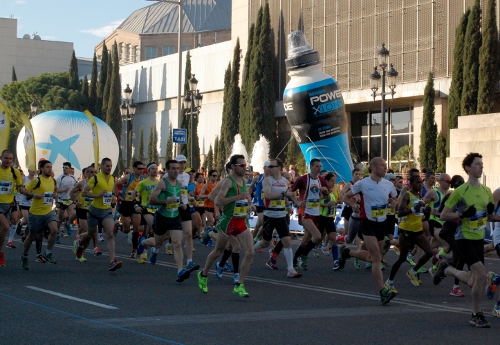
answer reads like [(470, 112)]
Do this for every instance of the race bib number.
[(128, 197), (279, 203), (174, 205), (378, 211), (184, 195), (200, 203), (107, 198), (240, 208), (5, 187), (151, 208), (67, 202), (390, 210), (313, 203), (262, 196), (87, 202), (48, 198), (478, 221)]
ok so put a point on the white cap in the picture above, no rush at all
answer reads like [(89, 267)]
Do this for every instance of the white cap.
[(181, 158), (266, 164)]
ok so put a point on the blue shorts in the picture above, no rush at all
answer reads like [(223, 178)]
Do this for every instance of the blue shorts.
[(97, 215), (5, 209), (37, 224)]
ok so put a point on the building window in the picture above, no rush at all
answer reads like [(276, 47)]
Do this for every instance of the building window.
[(184, 48), (150, 53), (127, 52), (168, 50), (136, 53)]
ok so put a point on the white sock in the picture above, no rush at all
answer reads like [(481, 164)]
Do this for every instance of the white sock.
[(12, 232), (289, 257), (456, 286), (188, 261), (154, 250), (257, 246)]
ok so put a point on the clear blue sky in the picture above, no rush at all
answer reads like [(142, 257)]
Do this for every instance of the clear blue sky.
[(83, 22)]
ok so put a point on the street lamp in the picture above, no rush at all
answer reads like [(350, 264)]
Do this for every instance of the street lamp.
[(127, 110), (192, 106), (34, 108), (375, 77)]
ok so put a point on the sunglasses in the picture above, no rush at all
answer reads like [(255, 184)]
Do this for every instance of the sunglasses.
[(392, 179), (65, 167), (214, 175), (127, 172), (241, 165), (273, 166)]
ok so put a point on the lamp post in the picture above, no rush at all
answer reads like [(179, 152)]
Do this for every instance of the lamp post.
[(34, 108), (127, 110), (192, 106), (375, 77)]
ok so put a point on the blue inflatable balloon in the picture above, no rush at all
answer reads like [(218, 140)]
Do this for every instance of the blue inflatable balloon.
[(315, 109)]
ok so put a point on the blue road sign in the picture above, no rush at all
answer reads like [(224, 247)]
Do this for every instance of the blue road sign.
[(179, 135)]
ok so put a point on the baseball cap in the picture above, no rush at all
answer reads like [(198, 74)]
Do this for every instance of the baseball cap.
[(181, 158), (266, 164), (389, 176)]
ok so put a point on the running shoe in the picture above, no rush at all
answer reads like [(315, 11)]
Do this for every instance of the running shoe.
[(133, 254), (49, 258), (39, 259), (493, 282), (344, 255), (236, 278), (240, 291), (202, 283), (435, 258), (271, 263), (396, 249), (210, 243), (82, 259), (97, 251), (496, 311), (382, 266), (24, 260), (129, 238), (302, 262), (75, 246), (315, 252), (79, 250), (384, 262), (117, 227), (141, 259), (293, 274), (368, 266), (100, 238), (182, 275), (140, 246), (58, 241), (2, 259), (64, 234), (168, 249), (440, 275), (115, 264), (357, 263), (152, 258), (192, 267), (228, 268), (11, 245), (409, 259), (478, 320), (218, 270), (390, 286), (325, 248), (336, 265), (457, 292), (442, 253), (386, 296), (423, 270), (68, 229), (413, 277)]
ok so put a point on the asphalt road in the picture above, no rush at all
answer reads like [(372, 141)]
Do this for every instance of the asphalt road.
[(83, 303)]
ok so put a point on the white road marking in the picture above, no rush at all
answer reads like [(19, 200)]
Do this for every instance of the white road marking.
[(72, 298)]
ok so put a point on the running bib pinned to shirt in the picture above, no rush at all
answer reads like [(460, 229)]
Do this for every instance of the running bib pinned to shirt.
[(107, 198), (176, 204), (378, 211), (200, 203), (240, 208), (5, 187), (312, 203), (86, 202), (67, 202), (48, 198), (278, 203), (478, 221)]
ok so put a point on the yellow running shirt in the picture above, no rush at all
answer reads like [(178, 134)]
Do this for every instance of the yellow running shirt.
[(7, 184), (46, 186), (98, 183)]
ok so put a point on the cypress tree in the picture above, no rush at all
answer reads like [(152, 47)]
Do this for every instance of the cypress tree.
[(102, 82), (92, 95), (151, 145), (468, 104), (428, 134), (170, 144), (185, 122), (74, 80), (441, 153), (85, 91), (225, 140), (141, 145), (156, 156), (107, 88), (457, 77), (291, 156), (113, 116), (488, 62), (14, 76), (209, 159), (233, 118)]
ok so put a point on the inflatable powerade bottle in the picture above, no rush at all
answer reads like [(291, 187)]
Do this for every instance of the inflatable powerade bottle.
[(315, 109)]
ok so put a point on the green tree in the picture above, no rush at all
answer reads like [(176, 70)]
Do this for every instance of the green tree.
[(107, 87), (170, 144), (156, 156), (291, 152), (140, 155), (93, 87), (468, 104), (85, 90), (441, 153), (209, 159), (102, 82), (151, 145), (113, 116), (428, 134), (224, 137), (14, 76), (457, 79), (405, 157), (74, 79), (232, 123), (488, 62)]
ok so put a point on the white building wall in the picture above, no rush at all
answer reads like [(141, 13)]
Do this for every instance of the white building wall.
[(154, 83)]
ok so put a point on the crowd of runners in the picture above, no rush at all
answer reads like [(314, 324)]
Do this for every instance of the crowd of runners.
[(430, 220)]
